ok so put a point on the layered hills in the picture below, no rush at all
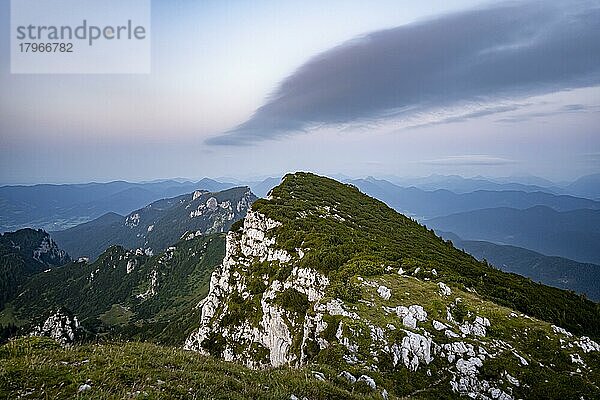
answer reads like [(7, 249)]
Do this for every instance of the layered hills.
[(551, 270), (572, 234), (428, 204)]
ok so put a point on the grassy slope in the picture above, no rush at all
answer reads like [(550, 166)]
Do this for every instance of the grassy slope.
[(554, 378), (366, 234), (38, 368)]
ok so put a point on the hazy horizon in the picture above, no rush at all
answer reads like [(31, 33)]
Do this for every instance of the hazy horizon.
[(522, 179), (396, 88)]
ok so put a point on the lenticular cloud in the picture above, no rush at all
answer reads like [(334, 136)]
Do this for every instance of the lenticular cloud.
[(508, 50)]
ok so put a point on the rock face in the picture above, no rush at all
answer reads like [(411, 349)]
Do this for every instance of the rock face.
[(49, 253), (272, 303), (35, 245), (61, 326), (268, 337), (22, 254)]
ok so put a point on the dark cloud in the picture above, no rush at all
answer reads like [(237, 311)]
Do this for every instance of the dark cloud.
[(504, 51)]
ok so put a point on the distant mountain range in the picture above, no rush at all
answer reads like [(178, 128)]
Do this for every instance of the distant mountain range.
[(586, 186), (459, 184), (509, 221), (58, 207), (159, 224), (555, 271), (570, 234), (428, 204)]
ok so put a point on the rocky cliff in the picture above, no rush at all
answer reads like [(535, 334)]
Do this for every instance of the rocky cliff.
[(269, 338)]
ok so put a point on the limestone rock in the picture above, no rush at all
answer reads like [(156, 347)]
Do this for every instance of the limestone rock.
[(411, 315), (61, 326), (368, 380), (348, 376), (384, 292), (444, 289)]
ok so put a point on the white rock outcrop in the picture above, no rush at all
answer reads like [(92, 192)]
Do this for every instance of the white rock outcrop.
[(475, 328), (411, 315), (152, 286), (368, 380), (587, 345), (444, 290), (439, 326), (336, 307), (60, 326), (49, 253), (348, 376), (384, 292), (414, 350)]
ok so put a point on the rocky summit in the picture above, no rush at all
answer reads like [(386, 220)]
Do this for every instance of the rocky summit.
[(320, 275)]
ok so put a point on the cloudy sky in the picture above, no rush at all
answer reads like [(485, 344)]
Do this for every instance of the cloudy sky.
[(253, 88)]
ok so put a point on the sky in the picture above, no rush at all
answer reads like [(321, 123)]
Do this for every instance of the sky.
[(259, 88)]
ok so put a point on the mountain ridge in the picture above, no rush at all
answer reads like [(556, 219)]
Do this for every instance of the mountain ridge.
[(319, 272), (158, 224)]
